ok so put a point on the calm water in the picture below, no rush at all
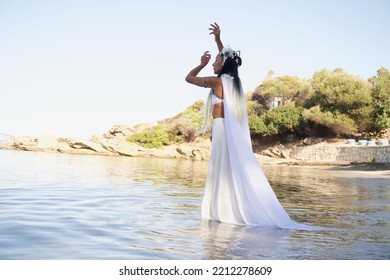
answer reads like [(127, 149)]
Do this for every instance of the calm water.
[(56, 206)]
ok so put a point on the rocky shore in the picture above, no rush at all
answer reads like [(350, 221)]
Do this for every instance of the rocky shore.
[(113, 143), (309, 152)]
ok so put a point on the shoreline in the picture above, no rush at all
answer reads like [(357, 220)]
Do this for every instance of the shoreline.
[(262, 159), (357, 166), (310, 152)]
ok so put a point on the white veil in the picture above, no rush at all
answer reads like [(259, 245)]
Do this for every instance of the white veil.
[(257, 201)]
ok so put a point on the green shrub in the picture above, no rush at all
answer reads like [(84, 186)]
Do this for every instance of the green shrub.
[(345, 102), (182, 127), (257, 125), (338, 124), (287, 88), (283, 119), (155, 137), (381, 96), (280, 120)]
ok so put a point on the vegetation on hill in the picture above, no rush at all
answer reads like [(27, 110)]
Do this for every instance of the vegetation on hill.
[(331, 104), (183, 127)]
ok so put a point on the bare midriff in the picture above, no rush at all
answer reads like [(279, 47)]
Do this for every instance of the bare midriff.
[(218, 110)]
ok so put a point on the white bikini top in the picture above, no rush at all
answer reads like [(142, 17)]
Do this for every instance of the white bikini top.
[(215, 99)]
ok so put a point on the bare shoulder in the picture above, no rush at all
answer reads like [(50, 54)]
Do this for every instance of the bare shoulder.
[(213, 82), (216, 84)]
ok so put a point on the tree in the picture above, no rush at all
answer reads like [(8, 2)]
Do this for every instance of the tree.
[(288, 88), (346, 97), (335, 123), (381, 97), (281, 120)]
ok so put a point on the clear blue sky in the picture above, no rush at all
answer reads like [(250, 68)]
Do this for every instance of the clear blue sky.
[(75, 68)]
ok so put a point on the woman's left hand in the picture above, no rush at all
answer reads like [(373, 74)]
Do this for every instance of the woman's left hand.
[(215, 30)]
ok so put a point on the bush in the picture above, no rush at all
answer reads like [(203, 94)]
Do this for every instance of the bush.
[(381, 96), (281, 120), (338, 124), (257, 125), (287, 88), (345, 98), (152, 138), (182, 127)]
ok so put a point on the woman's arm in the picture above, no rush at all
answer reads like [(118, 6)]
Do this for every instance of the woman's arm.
[(217, 35), (192, 76)]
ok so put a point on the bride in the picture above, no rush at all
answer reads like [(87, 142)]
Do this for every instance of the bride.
[(237, 190)]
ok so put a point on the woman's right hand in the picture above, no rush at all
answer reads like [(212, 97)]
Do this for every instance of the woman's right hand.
[(204, 60)]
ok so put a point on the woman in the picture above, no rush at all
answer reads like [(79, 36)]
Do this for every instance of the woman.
[(237, 191)]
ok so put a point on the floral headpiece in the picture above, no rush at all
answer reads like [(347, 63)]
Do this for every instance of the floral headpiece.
[(229, 52)]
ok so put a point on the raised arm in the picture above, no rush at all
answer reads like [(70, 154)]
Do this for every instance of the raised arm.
[(192, 76), (217, 35)]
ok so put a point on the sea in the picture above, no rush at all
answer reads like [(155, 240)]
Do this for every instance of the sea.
[(87, 207)]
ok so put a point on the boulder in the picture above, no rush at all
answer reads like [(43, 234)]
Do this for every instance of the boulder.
[(50, 144), (119, 147), (312, 140), (25, 143), (121, 131), (84, 146), (184, 150), (197, 154)]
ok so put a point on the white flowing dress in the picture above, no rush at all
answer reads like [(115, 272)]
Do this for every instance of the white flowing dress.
[(237, 190)]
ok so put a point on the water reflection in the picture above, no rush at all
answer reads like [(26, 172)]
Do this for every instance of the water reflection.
[(329, 196), (70, 206), (226, 241)]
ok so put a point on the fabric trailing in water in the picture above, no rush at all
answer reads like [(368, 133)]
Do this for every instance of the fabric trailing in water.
[(237, 190)]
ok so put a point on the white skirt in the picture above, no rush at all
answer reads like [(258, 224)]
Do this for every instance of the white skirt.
[(237, 190), (220, 201)]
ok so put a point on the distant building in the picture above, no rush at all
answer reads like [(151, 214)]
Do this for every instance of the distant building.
[(277, 101)]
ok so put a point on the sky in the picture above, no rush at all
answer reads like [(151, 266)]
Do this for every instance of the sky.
[(75, 68)]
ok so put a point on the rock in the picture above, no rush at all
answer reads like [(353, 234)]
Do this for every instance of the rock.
[(312, 140), (83, 146), (119, 147), (49, 143), (286, 154), (115, 143), (276, 152), (166, 152), (184, 150), (385, 134), (122, 131), (25, 143), (272, 152), (197, 155)]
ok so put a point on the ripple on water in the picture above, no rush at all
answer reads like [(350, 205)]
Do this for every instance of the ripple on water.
[(57, 206)]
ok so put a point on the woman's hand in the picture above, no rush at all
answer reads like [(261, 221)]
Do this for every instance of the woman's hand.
[(215, 30), (204, 60), (192, 76), (208, 82), (217, 35)]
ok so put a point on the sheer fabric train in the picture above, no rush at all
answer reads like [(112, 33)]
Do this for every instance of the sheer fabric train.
[(237, 190)]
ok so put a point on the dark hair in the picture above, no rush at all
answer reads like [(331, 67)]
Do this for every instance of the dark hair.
[(231, 67)]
